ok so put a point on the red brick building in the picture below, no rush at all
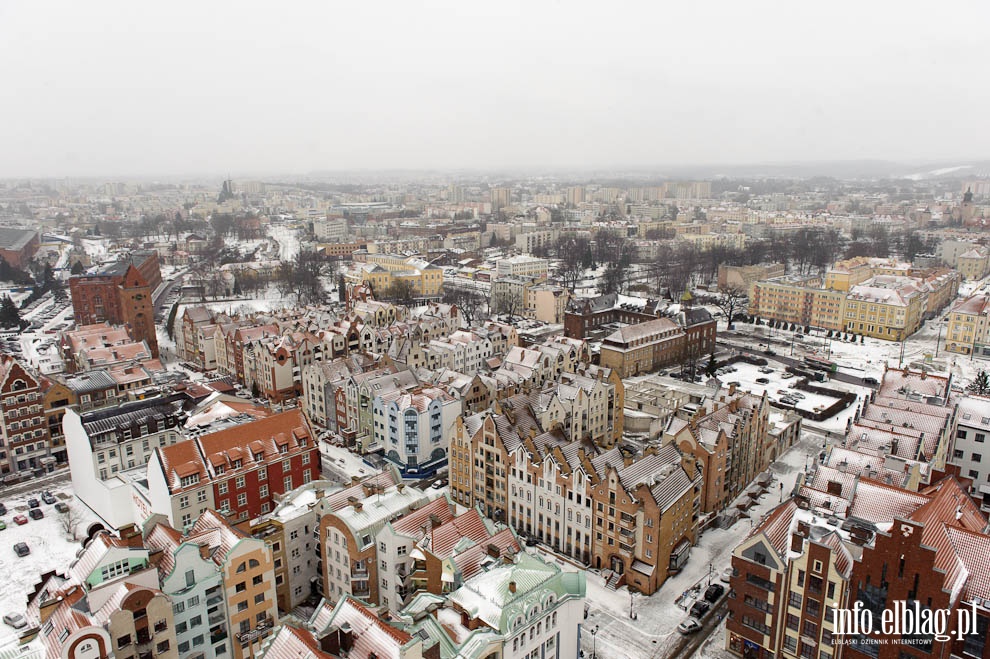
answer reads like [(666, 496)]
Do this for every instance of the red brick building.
[(18, 246), (26, 441), (119, 294), (868, 545), (240, 470)]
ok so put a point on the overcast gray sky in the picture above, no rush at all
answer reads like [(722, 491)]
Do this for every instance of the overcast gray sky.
[(136, 88)]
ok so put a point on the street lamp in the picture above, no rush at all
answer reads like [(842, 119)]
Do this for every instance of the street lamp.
[(594, 642)]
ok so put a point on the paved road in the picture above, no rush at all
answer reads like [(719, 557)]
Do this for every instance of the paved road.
[(35, 484), (679, 645)]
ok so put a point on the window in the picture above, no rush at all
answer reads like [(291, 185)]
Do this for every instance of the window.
[(242, 606), (240, 482), (222, 487), (263, 491), (287, 483), (242, 499), (977, 457)]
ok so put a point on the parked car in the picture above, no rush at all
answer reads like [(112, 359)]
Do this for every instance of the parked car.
[(21, 549), (531, 541), (787, 376), (714, 592), (726, 574), (700, 608), (20, 520), (871, 381), (36, 513), (3, 525), (689, 626), (33, 503), (61, 507), (47, 497), (15, 620), (439, 484), (3, 509), (762, 381)]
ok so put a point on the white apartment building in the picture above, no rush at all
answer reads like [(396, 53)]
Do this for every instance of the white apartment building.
[(522, 266)]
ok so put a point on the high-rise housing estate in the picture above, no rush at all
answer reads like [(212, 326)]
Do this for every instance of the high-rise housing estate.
[(501, 197)]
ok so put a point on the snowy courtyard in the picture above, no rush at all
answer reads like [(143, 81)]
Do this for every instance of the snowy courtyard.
[(51, 548)]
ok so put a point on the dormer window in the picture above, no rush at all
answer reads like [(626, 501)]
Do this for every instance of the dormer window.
[(220, 469), (283, 448), (259, 457), (191, 479), (236, 464)]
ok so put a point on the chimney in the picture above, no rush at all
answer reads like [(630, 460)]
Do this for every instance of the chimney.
[(346, 637), (512, 587), (399, 487), (797, 543), (319, 493), (434, 521)]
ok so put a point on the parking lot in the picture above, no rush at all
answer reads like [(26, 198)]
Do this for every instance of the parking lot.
[(51, 548)]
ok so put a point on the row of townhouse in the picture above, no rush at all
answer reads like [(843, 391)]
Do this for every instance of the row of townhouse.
[(155, 591), (864, 545), (516, 606), (635, 517), (270, 354), (729, 434), (152, 457)]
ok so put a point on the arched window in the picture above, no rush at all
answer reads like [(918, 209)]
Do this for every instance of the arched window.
[(241, 567), (253, 563)]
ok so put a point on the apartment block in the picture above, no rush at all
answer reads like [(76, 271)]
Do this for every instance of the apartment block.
[(222, 585), (239, 471), (348, 533)]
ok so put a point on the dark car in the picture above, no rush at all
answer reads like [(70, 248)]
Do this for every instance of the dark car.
[(700, 608), (714, 592), (33, 503), (35, 513), (3, 509), (61, 507), (47, 497), (531, 541), (871, 381), (21, 549)]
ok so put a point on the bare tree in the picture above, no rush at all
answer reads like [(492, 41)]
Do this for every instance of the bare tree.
[(731, 299), (70, 520)]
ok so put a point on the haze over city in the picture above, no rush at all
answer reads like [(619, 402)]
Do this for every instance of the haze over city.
[(129, 89)]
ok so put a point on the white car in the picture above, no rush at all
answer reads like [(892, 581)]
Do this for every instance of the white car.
[(689, 626), (726, 575), (15, 620)]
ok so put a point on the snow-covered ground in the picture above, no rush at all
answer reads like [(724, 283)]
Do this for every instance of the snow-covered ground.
[(51, 549), (288, 240), (655, 627)]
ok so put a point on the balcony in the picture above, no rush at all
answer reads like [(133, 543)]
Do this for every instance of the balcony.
[(216, 599), (359, 573), (215, 618), (260, 630), (218, 635)]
